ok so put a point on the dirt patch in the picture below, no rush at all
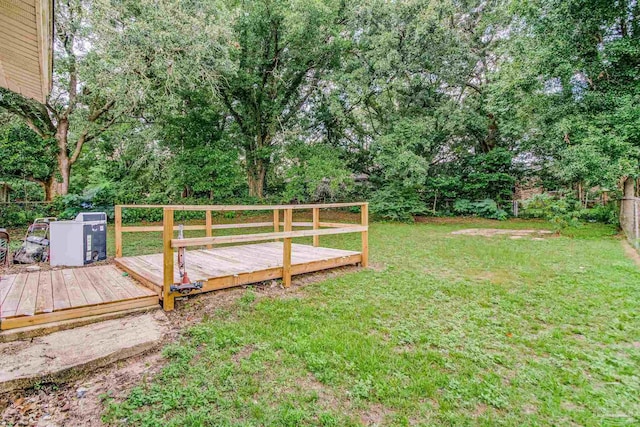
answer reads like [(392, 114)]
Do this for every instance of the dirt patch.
[(498, 277), (480, 409), (326, 398), (377, 267), (375, 415), (244, 353), (513, 233), (80, 403), (631, 252), (372, 415), (467, 219)]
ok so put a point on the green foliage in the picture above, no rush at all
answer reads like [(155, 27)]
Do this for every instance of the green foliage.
[(20, 215), (401, 171), (282, 49), (316, 174), (566, 211), (485, 208), (205, 162), (13, 215), (24, 154), (489, 175), (99, 198), (413, 105), (397, 203), (562, 212), (401, 154), (606, 214), (574, 82)]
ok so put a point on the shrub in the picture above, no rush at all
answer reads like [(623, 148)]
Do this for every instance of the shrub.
[(607, 214), (16, 215), (98, 198), (316, 174), (397, 203), (563, 212), (485, 208)]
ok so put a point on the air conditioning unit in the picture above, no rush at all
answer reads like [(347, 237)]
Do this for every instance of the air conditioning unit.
[(79, 242)]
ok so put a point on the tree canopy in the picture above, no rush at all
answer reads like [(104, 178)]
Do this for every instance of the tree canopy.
[(419, 106)]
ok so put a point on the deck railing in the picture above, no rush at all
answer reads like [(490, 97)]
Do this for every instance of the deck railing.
[(170, 243)]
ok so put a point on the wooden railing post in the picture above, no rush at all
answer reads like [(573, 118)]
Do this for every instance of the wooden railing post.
[(118, 220), (316, 225), (276, 222), (364, 220), (208, 224), (286, 259), (167, 235)]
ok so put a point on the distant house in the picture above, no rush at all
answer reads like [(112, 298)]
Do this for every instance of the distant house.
[(5, 189)]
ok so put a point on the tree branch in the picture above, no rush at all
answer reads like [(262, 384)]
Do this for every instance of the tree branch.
[(234, 113), (474, 87), (86, 137), (96, 115)]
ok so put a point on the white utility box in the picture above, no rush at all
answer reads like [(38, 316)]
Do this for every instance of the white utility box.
[(79, 242)]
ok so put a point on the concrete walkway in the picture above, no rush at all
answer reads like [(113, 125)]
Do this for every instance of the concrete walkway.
[(62, 355)]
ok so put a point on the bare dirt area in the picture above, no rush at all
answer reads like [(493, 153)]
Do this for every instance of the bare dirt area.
[(514, 234), (80, 402), (630, 251), (454, 220)]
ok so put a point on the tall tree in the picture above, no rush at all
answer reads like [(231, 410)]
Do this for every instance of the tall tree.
[(77, 110), (282, 49), (574, 74)]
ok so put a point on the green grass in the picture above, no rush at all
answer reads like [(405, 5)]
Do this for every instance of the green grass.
[(445, 330)]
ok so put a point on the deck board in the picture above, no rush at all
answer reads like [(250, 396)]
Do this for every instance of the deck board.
[(227, 266), (10, 303), (44, 301), (104, 289), (6, 282), (76, 296), (27, 304), (42, 297), (88, 290), (60, 293)]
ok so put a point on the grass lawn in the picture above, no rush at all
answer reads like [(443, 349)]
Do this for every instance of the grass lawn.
[(443, 330)]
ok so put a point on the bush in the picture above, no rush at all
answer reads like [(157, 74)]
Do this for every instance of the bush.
[(485, 208), (316, 174), (397, 203), (607, 214), (17, 215), (563, 212)]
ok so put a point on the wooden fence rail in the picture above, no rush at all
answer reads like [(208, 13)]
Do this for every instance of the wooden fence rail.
[(318, 228)]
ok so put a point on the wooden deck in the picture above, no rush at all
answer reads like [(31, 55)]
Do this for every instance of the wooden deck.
[(41, 297), (230, 266)]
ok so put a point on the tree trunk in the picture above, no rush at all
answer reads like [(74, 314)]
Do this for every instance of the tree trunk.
[(256, 178), (61, 188), (49, 189), (491, 139), (579, 191), (626, 207)]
